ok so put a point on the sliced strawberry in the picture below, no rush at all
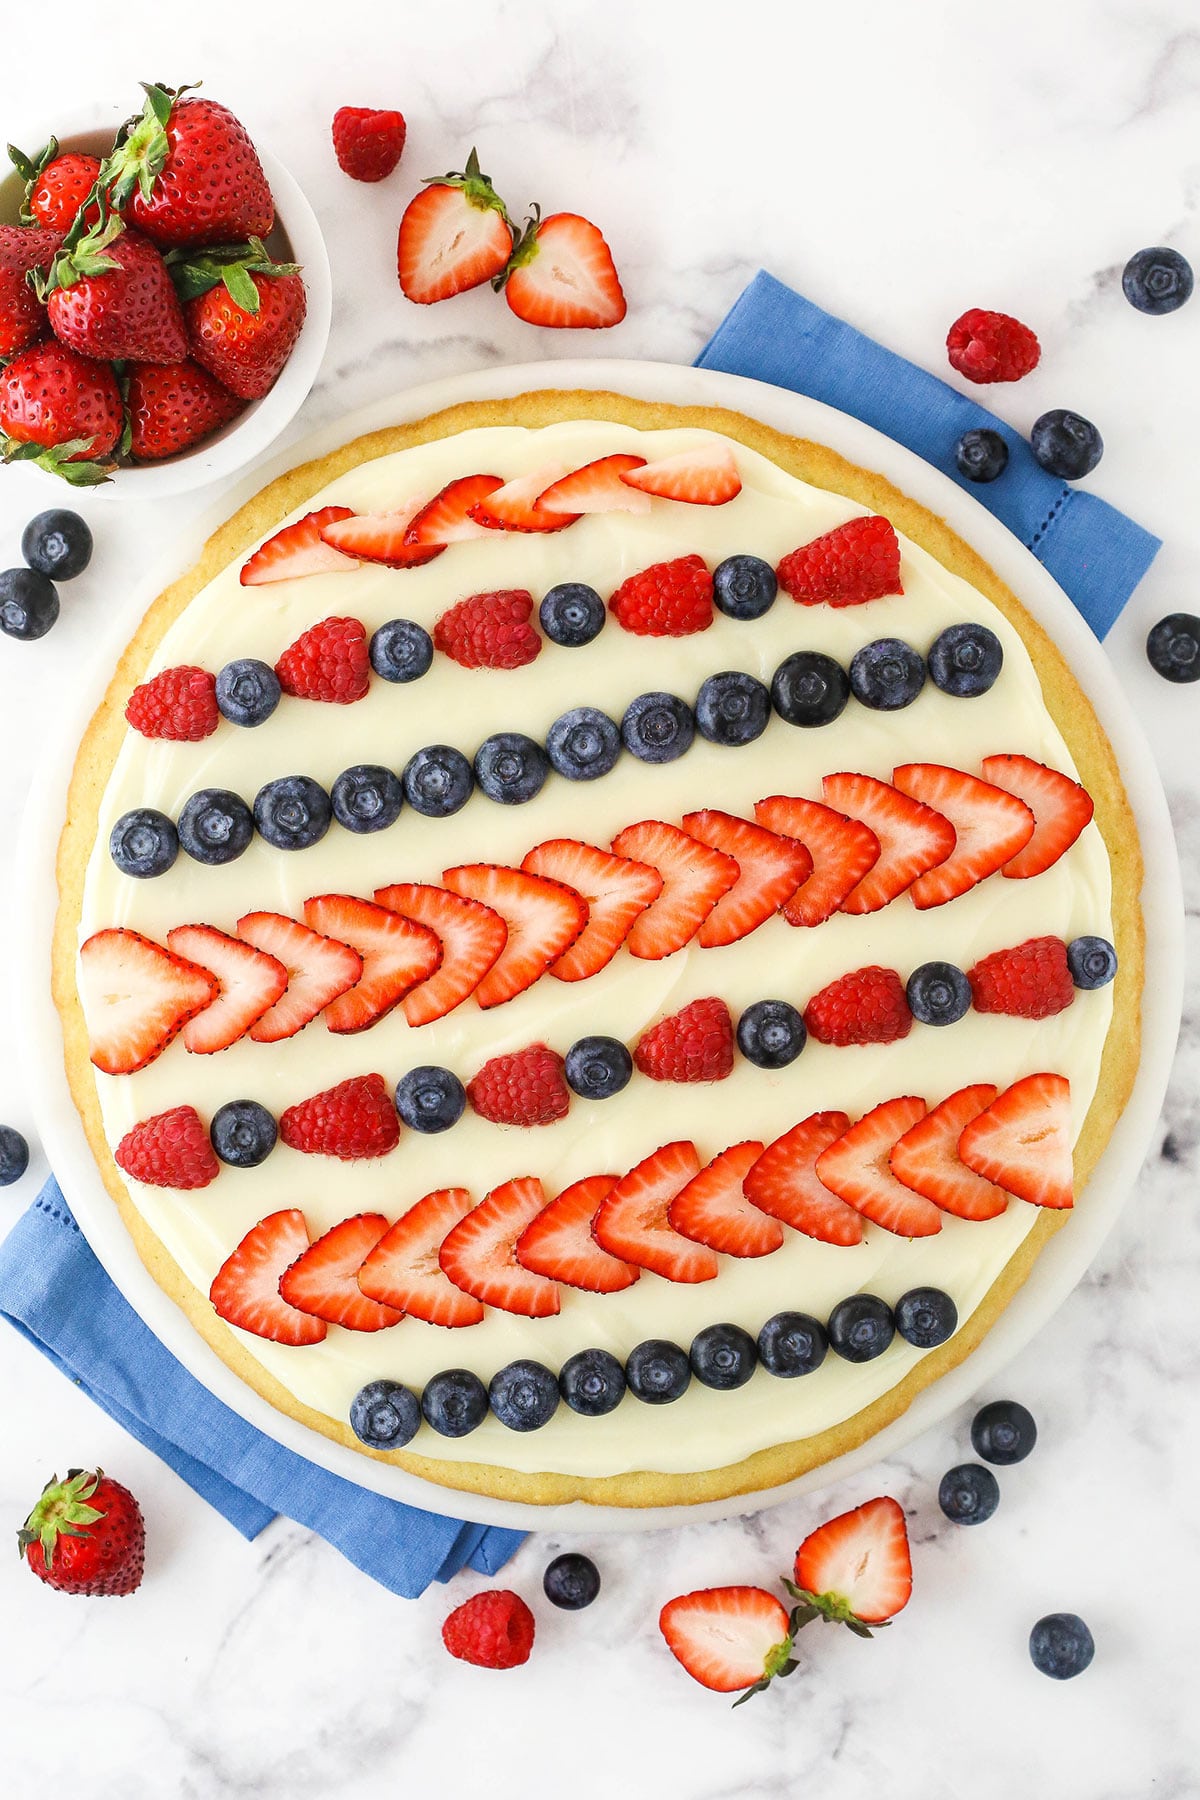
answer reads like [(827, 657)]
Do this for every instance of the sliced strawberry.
[(562, 275), (728, 1638), (858, 1566), (479, 1253), (446, 518), (912, 837), (694, 878), (855, 1167), (514, 507), (454, 235), (706, 475), (403, 1271), (597, 487), (543, 917), (380, 538), (245, 1289), (632, 1220), (843, 850), (617, 891), (318, 970), (1061, 807), (298, 550), (251, 982), (472, 937), (135, 997), (990, 828), (396, 953), (560, 1245), (926, 1158), (323, 1279), (1022, 1141), (712, 1209), (772, 868), (783, 1182)]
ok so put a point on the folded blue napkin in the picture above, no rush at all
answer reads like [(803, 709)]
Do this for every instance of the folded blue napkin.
[(1094, 552)]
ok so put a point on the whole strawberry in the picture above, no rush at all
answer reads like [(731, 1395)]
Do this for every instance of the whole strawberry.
[(23, 317), (56, 186), (110, 296), (245, 344), (367, 143), (187, 173), (173, 406), (85, 1535), (62, 411)]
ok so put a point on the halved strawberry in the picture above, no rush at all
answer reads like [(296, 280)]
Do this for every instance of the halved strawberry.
[(783, 1182), (857, 1568), (543, 917), (1061, 807), (843, 850), (454, 235), (323, 1279), (560, 1245), (617, 891), (472, 937), (712, 1209), (706, 475), (597, 487), (245, 1289), (380, 538), (990, 828), (396, 953), (729, 1638), (912, 837), (515, 506), (1022, 1141), (318, 970), (479, 1253), (631, 1222), (298, 550), (562, 274), (926, 1158), (135, 997), (772, 868), (856, 1168), (694, 878), (251, 981), (403, 1269), (446, 518)]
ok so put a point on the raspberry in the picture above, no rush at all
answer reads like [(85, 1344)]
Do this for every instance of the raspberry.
[(1031, 981), (857, 561), (991, 346), (669, 599), (489, 631), (170, 1150), (492, 1630), (330, 661), (367, 143), (526, 1088), (866, 1007), (695, 1044), (354, 1119), (180, 704)]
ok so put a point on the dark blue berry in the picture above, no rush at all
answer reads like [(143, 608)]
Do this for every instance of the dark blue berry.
[(243, 1133), (143, 843), (809, 688), (1092, 962), (1003, 1432), (385, 1415), (861, 1328), (592, 1382), (572, 614), (744, 587), (1066, 444), (598, 1067), (430, 1099), (454, 1402), (571, 1581), (215, 826), (965, 660), (1157, 280), (511, 767), (1061, 1646), (771, 1034), (968, 1494), (437, 781), (938, 993), (981, 455), (401, 651), (14, 1155), (723, 1356), (732, 708), (524, 1396), (926, 1317), (57, 543), (792, 1344), (583, 744), (367, 797), (292, 813), (247, 691), (1173, 647), (658, 727), (887, 674), (657, 1371), (28, 604)]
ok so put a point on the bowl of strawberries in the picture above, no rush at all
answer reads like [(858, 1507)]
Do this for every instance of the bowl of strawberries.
[(165, 298)]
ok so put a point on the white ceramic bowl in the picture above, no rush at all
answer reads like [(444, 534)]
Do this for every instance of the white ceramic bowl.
[(295, 237)]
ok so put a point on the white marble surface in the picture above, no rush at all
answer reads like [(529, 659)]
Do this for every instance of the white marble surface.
[(898, 164)]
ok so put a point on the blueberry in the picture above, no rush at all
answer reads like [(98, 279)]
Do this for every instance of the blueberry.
[(143, 843), (887, 674), (598, 1067), (1173, 647), (1157, 280), (926, 1317), (14, 1155), (524, 1395), (572, 614), (657, 1371), (437, 781), (583, 744), (401, 651), (981, 455), (511, 767), (28, 604), (571, 1581), (861, 1328), (1003, 1432), (938, 993), (367, 797), (723, 1356), (1066, 444), (771, 1034), (430, 1099), (243, 1133), (1092, 962), (247, 691), (454, 1402), (968, 1494), (658, 727), (744, 587), (57, 543), (1061, 1646), (792, 1344), (732, 708), (965, 660), (292, 813), (215, 826), (385, 1415), (592, 1382), (809, 688)]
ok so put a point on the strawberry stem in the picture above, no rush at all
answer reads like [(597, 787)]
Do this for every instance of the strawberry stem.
[(29, 168), (57, 460), (196, 271), (61, 1511), (476, 186), (525, 246)]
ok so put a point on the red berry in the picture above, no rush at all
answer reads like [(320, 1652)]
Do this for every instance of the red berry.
[(367, 143), (173, 406), (525, 1088), (180, 704), (354, 1119), (330, 661), (489, 631), (854, 562), (23, 317), (1030, 981), (669, 599), (85, 1535), (991, 346), (492, 1630), (866, 1007), (695, 1044), (61, 189), (170, 1150)]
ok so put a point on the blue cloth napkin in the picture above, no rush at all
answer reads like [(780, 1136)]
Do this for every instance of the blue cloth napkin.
[(58, 1296), (1094, 552)]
